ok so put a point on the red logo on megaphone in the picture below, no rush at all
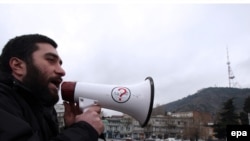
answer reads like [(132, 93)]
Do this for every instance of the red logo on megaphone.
[(120, 94)]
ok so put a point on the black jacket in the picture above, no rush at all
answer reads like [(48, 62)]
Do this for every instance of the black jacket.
[(22, 118)]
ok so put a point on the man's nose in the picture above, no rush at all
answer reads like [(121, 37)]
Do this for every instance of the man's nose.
[(60, 71)]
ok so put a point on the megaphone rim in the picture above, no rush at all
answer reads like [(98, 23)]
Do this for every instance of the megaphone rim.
[(151, 101)]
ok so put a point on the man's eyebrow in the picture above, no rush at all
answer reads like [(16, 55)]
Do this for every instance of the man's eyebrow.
[(55, 56)]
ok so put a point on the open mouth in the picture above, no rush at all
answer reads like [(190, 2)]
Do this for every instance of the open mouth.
[(56, 82)]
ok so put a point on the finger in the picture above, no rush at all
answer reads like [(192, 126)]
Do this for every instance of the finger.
[(95, 108), (78, 110), (72, 107), (67, 107), (75, 108)]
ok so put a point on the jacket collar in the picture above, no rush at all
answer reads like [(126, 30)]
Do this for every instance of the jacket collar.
[(19, 88)]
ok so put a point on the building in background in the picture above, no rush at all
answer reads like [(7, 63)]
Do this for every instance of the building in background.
[(60, 112), (180, 125)]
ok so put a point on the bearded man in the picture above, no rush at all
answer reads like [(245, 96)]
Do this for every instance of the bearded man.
[(30, 76)]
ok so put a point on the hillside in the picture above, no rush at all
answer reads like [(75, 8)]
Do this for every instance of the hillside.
[(206, 100)]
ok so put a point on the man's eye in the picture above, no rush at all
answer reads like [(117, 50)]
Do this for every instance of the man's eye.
[(51, 59)]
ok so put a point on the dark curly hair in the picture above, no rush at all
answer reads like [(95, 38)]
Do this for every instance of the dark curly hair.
[(22, 47)]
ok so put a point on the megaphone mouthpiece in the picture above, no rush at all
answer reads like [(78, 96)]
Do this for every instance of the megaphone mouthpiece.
[(68, 90)]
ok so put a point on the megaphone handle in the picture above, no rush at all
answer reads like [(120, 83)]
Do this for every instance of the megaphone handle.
[(84, 103)]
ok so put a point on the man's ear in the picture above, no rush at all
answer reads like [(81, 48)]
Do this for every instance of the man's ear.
[(18, 67)]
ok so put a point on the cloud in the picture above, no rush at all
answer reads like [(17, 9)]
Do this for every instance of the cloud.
[(182, 46)]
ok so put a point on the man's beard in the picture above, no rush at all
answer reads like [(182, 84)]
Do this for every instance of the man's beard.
[(38, 84)]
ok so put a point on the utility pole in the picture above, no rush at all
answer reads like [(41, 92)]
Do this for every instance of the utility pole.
[(230, 72)]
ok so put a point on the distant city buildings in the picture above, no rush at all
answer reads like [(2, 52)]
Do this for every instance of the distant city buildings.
[(180, 125), (60, 112)]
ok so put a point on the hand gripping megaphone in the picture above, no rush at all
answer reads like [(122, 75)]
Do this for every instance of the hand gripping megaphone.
[(135, 100)]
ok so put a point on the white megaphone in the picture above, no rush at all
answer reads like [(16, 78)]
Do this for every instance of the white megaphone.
[(135, 100)]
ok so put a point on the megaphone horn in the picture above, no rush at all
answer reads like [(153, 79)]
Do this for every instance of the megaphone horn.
[(135, 100)]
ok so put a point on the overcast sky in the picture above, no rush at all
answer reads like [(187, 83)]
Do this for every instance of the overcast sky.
[(183, 47)]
